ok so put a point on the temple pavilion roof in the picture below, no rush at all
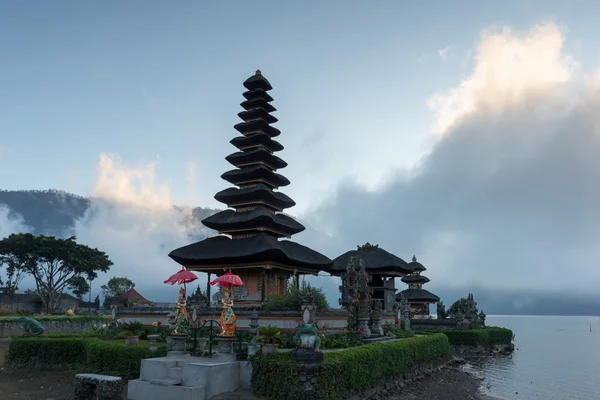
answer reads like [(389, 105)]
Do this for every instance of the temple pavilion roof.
[(415, 265), (375, 259), (418, 295), (415, 279)]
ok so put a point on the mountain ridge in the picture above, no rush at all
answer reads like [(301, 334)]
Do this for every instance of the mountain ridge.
[(54, 212)]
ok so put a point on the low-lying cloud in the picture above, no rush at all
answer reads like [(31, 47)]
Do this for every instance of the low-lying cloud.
[(508, 196)]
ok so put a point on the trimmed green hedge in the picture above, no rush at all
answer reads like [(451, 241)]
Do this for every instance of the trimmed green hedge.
[(277, 377), (489, 336), (89, 355)]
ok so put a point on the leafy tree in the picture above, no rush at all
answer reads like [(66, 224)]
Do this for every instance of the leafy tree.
[(79, 286), (14, 275), (115, 289), (97, 302), (53, 263), (464, 307)]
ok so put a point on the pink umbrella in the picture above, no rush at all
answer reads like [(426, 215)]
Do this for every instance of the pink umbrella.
[(228, 280), (182, 277)]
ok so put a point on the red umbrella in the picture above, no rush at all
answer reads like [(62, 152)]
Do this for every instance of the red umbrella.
[(228, 280), (182, 277)]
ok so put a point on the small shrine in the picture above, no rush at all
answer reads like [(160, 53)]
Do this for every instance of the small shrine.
[(251, 227), (418, 298), (381, 266)]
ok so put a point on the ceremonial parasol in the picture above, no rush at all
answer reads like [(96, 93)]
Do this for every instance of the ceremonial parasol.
[(182, 277), (228, 280)]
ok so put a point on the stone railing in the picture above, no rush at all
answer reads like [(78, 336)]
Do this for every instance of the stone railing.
[(434, 324), (74, 326)]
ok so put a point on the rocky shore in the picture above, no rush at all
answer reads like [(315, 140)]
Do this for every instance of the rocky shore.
[(451, 383)]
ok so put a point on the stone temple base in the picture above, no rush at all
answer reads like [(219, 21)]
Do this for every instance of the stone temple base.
[(226, 344), (307, 356), (189, 378), (176, 345)]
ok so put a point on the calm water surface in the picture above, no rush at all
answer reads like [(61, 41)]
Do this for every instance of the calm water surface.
[(557, 358)]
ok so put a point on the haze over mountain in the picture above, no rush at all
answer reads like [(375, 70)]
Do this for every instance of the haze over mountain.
[(470, 144), (54, 212)]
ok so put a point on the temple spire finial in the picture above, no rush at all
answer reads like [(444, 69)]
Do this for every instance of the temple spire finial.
[(258, 72), (414, 259)]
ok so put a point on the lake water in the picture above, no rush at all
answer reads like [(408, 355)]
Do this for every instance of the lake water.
[(556, 358)]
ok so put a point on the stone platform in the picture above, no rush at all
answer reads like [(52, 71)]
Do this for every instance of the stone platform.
[(189, 378)]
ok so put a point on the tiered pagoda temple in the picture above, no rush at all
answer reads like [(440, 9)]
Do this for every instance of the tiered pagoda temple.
[(250, 229), (418, 298), (382, 268)]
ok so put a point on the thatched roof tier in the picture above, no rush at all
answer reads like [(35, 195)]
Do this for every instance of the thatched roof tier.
[(418, 296), (256, 140), (416, 266), (256, 195), (256, 102), (414, 279), (254, 175), (222, 252), (257, 156), (257, 113), (257, 81), (257, 94), (258, 219), (376, 261), (256, 126)]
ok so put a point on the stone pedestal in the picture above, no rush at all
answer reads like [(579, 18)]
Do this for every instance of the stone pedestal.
[(176, 345), (377, 330), (226, 344), (306, 356), (153, 339), (364, 324), (253, 348)]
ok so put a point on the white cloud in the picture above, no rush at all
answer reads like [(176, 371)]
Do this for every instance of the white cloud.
[(445, 53), (509, 68), (11, 223), (508, 196), (131, 218)]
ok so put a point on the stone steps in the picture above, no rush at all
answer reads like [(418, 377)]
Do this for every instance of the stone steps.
[(142, 390), (189, 378)]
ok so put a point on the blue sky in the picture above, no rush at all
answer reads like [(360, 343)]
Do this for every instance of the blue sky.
[(463, 132), (157, 81)]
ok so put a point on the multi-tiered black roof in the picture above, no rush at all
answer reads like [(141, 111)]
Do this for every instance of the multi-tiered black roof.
[(376, 260), (415, 281), (254, 221)]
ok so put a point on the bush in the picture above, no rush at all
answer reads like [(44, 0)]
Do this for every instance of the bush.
[(486, 337), (292, 297), (92, 355), (116, 358), (343, 372), (42, 353)]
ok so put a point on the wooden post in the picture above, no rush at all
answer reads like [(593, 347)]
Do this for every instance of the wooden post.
[(262, 289), (208, 291)]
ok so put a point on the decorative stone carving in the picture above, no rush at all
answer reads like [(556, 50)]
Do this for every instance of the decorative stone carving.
[(441, 310), (30, 326), (376, 328), (307, 344), (404, 309)]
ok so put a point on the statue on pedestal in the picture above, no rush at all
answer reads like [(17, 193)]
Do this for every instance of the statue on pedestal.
[(228, 319), (182, 319)]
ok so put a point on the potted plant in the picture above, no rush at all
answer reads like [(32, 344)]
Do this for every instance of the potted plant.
[(155, 335), (132, 332), (270, 337)]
